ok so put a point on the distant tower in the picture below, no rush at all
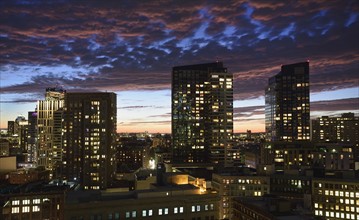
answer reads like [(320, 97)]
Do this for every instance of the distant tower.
[(287, 110), (11, 128), (18, 122), (89, 125), (32, 137), (49, 116), (22, 130), (202, 114)]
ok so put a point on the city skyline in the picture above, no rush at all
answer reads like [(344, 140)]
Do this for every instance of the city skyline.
[(130, 48)]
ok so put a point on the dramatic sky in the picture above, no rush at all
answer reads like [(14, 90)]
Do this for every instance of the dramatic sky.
[(129, 47)]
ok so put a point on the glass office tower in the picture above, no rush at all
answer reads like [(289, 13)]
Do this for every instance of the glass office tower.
[(287, 110), (202, 114)]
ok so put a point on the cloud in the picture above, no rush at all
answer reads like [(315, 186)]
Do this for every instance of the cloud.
[(331, 106), (336, 105), (119, 46), (248, 111), (140, 106), (19, 101)]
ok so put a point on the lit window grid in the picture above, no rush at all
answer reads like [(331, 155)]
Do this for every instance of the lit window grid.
[(24, 205), (233, 186), (336, 199)]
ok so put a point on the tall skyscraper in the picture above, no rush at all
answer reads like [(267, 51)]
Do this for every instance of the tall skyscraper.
[(49, 149), (89, 126), (202, 114), (32, 137), (287, 113)]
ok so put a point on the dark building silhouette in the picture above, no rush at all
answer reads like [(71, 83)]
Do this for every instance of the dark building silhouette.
[(31, 138), (11, 128), (287, 110), (202, 114), (89, 125)]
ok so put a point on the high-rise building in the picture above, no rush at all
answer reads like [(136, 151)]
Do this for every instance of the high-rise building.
[(10, 128), (23, 128), (202, 114), (49, 149), (30, 147), (287, 110), (336, 129), (89, 126)]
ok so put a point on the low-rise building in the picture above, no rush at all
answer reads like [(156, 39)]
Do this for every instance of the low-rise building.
[(267, 208), (233, 184), (4, 148), (33, 201), (165, 202), (28, 175), (336, 198)]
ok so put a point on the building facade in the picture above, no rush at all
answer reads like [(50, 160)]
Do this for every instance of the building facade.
[(49, 149), (30, 147), (183, 202), (89, 129), (11, 128), (336, 198), (336, 129), (202, 114), (296, 157), (287, 109), (33, 206), (231, 185)]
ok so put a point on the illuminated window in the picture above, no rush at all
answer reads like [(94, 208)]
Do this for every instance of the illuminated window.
[(16, 202), (198, 208), (181, 209), (36, 208), (26, 209), (166, 211), (26, 202), (160, 212), (175, 210), (15, 210), (150, 212)]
